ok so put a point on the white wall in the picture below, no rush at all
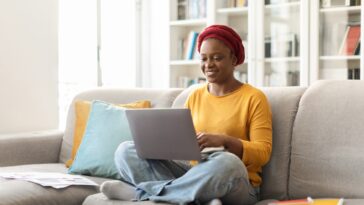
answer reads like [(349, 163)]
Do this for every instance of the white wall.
[(28, 65)]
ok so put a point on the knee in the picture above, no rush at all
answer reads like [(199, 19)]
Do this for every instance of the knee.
[(227, 163), (123, 153)]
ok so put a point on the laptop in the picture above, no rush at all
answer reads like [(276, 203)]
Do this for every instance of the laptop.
[(166, 134)]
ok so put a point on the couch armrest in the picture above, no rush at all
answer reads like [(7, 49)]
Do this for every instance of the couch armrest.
[(30, 148)]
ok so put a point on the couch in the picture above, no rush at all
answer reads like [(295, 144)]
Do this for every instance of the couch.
[(318, 140)]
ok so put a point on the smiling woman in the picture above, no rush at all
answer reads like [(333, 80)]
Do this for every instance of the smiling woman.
[(226, 113)]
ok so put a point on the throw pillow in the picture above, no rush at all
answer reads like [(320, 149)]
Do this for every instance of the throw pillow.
[(82, 110), (106, 128)]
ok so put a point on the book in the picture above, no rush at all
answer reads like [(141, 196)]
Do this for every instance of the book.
[(335, 3), (357, 49), (241, 3), (292, 202), (196, 9), (230, 3), (309, 201), (180, 48), (181, 9), (353, 73), (351, 40), (191, 45), (186, 81), (281, 46)]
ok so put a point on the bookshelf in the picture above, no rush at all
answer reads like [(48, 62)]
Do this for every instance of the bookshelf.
[(336, 43), (236, 15), (287, 42), (282, 41), (187, 19)]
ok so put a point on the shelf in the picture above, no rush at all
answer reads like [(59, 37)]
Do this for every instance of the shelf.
[(319, 32), (293, 7), (282, 5), (283, 59), (184, 62), (189, 22), (349, 9), (234, 11), (356, 57)]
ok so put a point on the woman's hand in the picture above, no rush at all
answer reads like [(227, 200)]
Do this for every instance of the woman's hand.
[(231, 144), (210, 140)]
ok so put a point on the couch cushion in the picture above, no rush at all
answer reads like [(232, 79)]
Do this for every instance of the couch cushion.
[(180, 100), (284, 104), (100, 198), (16, 192), (327, 157), (158, 97)]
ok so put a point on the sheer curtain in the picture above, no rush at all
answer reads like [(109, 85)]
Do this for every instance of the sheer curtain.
[(97, 47)]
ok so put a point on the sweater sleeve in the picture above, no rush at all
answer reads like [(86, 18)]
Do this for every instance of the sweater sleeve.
[(257, 150)]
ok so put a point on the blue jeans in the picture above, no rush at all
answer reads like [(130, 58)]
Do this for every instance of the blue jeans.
[(222, 175)]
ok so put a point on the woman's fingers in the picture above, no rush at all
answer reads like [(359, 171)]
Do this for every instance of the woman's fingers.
[(202, 140)]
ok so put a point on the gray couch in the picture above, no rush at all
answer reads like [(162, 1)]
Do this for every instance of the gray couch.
[(318, 140)]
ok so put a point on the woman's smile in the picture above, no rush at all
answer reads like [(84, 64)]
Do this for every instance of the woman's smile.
[(211, 73)]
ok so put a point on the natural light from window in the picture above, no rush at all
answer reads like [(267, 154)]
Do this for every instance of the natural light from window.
[(79, 38)]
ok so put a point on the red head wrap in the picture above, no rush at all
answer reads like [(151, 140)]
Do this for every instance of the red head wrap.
[(226, 35)]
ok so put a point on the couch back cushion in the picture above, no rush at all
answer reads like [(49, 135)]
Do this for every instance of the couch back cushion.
[(158, 97), (284, 104), (180, 100), (327, 157)]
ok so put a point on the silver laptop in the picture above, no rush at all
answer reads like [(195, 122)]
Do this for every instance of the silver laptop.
[(164, 134)]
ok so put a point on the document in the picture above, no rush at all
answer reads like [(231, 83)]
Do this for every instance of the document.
[(49, 179)]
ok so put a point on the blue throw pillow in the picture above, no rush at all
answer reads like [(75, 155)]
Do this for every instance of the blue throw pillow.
[(106, 128)]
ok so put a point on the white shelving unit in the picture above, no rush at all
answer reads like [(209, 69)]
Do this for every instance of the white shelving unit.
[(304, 19), (330, 25), (182, 70)]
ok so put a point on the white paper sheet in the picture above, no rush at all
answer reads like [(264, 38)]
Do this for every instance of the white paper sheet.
[(51, 179)]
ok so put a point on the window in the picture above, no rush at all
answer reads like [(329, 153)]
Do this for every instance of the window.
[(97, 47)]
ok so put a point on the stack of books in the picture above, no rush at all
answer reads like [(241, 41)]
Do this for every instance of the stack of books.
[(310, 201)]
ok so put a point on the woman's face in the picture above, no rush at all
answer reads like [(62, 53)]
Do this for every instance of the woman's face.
[(217, 61)]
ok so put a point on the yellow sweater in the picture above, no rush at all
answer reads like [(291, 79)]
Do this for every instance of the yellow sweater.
[(244, 114)]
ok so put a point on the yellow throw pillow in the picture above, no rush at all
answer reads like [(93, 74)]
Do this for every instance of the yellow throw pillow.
[(82, 111)]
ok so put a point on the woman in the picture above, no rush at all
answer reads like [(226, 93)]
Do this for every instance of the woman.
[(225, 113)]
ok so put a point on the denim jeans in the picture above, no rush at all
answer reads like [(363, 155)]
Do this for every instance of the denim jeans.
[(222, 175)]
